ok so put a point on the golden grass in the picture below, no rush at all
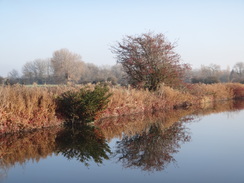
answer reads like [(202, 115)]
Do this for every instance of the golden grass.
[(27, 108), (23, 108)]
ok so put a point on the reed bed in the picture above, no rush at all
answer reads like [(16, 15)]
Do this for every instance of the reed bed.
[(25, 108)]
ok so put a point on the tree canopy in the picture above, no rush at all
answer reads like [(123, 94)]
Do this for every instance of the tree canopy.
[(149, 60)]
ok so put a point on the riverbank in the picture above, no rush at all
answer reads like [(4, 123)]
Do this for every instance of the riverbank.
[(26, 108), (39, 144)]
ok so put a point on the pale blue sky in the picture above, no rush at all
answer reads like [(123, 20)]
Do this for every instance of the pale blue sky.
[(207, 31)]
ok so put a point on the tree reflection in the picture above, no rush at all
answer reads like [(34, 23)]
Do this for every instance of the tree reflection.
[(84, 143), (153, 149)]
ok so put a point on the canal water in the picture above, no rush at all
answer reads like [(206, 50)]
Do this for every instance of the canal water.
[(204, 145)]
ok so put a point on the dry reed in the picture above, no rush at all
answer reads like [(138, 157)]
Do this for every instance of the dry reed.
[(27, 108)]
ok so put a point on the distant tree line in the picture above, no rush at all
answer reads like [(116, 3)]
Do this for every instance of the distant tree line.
[(65, 67), (143, 61), (214, 74)]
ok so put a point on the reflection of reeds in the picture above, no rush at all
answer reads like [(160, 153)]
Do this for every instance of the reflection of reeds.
[(22, 147), (138, 123), (219, 107), (84, 143)]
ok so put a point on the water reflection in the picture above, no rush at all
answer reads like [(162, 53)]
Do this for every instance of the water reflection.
[(21, 147), (153, 149), (83, 142), (147, 142)]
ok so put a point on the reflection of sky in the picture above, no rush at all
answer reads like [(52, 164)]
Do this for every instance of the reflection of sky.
[(214, 154), (208, 31)]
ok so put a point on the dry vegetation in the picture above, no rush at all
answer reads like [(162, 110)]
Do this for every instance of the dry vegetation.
[(35, 145), (27, 108), (130, 125)]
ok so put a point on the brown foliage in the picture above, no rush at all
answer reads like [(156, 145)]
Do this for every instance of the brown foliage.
[(149, 60), (26, 108)]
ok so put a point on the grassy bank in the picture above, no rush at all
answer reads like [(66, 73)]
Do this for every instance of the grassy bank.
[(27, 108), (35, 145), (129, 101)]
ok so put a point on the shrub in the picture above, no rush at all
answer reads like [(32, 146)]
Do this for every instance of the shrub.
[(83, 105), (211, 80), (150, 60)]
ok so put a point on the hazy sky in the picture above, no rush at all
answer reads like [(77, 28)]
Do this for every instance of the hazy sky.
[(207, 31)]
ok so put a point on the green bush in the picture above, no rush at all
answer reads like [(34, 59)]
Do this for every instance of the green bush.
[(84, 105)]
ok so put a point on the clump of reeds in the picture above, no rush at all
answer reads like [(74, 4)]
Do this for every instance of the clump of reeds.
[(126, 101), (237, 90), (20, 147), (26, 108)]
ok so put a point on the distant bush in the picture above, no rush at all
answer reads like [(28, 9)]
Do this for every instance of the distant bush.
[(237, 90), (211, 80), (83, 105), (207, 80), (197, 80)]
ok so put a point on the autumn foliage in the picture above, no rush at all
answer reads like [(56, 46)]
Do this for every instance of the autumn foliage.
[(149, 60)]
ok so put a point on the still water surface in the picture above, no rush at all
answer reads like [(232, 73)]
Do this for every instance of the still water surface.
[(204, 146)]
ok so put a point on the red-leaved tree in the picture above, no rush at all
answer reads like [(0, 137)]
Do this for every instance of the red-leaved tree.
[(149, 60)]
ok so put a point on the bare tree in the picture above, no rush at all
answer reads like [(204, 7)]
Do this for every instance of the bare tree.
[(39, 71), (67, 66), (118, 72), (90, 73), (13, 76), (1, 80), (239, 68), (237, 73), (210, 70), (28, 71)]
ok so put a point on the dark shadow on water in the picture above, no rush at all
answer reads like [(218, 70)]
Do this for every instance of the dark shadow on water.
[(82, 142)]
